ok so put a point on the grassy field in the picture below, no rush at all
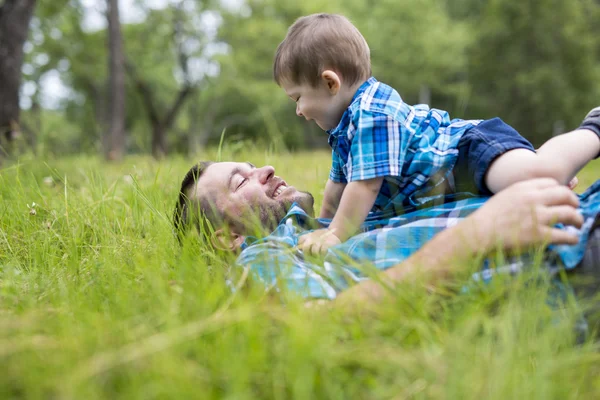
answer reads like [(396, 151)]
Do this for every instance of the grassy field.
[(98, 301)]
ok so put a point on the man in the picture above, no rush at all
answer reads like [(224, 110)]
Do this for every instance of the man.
[(234, 197)]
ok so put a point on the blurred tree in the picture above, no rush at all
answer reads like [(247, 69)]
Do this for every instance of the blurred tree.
[(466, 9), (415, 48), (534, 63), (115, 140), (178, 31), (252, 105), (161, 122), (416, 52), (14, 24), (167, 60), (197, 68), (62, 52)]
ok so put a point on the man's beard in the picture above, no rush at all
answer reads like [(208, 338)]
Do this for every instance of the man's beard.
[(267, 216)]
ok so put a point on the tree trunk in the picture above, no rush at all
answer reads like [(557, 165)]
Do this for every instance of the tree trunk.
[(160, 124), (98, 99), (116, 89), (14, 25), (159, 142), (198, 136)]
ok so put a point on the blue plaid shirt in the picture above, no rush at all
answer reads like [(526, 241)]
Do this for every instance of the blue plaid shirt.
[(276, 262), (413, 147)]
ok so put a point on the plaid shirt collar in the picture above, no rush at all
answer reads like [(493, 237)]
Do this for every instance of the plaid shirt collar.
[(345, 121), (297, 216)]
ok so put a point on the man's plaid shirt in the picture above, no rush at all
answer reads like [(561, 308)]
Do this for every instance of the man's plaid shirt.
[(413, 147), (275, 261)]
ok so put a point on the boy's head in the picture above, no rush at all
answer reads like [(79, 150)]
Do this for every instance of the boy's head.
[(320, 63), (318, 42)]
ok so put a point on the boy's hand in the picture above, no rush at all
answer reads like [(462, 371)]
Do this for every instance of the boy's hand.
[(318, 242)]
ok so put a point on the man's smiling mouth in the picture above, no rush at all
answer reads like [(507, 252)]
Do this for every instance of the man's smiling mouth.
[(279, 189)]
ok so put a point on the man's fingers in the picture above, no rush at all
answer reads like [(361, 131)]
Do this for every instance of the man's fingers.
[(540, 183), (560, 236), (563, 214), (559, 195)]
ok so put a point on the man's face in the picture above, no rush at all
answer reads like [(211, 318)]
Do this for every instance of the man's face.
[(318, 104), (243, 192)]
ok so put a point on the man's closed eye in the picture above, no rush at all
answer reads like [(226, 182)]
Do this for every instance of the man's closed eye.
[(241, 183)]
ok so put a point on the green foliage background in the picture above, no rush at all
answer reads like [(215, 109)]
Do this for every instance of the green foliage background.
[(534, 64)]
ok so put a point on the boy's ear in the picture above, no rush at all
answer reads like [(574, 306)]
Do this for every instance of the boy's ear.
[(227, 240), (332, 80)]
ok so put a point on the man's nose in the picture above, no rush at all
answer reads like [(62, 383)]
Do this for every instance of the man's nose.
[(265, 173)]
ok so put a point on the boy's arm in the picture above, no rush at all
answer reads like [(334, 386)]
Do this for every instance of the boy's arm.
[(357, 200), (331, 198), (559, 158)]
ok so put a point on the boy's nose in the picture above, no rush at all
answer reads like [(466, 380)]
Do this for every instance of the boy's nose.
[(298, 112)]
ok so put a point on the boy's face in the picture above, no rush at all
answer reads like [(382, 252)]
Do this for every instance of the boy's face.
[(325, 104)]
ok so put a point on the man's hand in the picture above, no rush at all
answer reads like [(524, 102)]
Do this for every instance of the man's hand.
[(318, 242), (524, 215)]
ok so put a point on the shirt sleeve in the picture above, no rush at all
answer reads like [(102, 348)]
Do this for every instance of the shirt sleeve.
[(337, 173), (378, 145)]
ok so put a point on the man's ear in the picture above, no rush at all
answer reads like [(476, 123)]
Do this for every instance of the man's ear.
[(227, 240), (332, 80)]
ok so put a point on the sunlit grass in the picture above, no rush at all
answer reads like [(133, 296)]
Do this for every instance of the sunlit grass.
[(97, 300)]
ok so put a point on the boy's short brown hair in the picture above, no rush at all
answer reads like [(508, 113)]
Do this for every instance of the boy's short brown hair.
[(322, 41)]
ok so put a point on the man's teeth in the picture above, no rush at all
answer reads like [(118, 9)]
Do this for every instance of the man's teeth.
[(279, 190)]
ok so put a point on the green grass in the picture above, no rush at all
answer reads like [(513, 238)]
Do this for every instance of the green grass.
[(98, 301)]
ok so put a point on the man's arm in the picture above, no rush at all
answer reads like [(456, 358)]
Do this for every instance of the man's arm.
[(331, 198), (521, 216)]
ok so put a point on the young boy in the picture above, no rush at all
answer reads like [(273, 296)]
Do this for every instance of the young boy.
[(387, 153)]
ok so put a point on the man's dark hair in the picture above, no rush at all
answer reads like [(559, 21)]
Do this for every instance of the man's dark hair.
[(181, 216)]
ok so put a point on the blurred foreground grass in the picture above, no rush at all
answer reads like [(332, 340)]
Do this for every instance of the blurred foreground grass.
[(98, 301)]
